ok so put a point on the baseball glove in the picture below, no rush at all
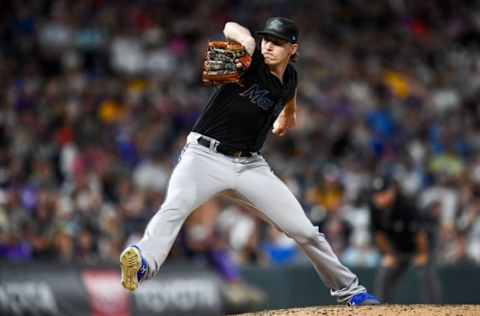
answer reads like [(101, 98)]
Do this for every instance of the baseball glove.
[(225, 62)]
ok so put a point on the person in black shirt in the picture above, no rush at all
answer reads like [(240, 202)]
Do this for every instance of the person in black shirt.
[(399, 229), (222, 153)]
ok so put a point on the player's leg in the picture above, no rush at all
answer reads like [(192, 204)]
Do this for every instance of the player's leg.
[(431, 288), (270, 196), (387, 278), (198, 176)]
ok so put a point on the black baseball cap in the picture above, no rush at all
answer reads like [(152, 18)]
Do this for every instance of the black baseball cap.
[(281, 28)]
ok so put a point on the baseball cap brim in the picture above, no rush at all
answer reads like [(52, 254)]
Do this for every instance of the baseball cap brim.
[(274, 34)]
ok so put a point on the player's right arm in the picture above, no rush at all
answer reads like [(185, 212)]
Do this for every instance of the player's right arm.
[(287, 118), (238, 33)]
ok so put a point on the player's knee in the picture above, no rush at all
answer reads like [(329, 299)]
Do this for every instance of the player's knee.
[(181, 204), (304, 236)]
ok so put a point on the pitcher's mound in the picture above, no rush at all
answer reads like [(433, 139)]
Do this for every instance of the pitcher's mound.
[(379, 310)]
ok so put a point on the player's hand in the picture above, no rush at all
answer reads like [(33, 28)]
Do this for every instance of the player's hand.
[(421, 260), (283, 123), (389, 261), (239, 64)]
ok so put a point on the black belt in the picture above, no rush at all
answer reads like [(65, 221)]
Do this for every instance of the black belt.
[(224, 149)]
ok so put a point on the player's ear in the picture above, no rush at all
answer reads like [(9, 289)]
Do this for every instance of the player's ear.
[(294, 49)]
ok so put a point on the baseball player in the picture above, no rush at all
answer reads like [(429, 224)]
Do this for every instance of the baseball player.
[(222, 152), (400, 232)]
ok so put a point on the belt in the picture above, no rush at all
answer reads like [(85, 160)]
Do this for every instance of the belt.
[(224, 149)]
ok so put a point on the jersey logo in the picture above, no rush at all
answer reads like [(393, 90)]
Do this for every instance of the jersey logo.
[(258, 96)]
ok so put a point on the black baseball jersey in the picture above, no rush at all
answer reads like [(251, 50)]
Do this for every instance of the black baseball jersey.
[(241, 115), (400, 223)]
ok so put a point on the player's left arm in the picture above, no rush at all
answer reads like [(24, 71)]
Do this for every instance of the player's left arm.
[(238, 33), (287, 118)]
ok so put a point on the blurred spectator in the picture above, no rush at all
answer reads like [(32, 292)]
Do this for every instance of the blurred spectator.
[(238, 227), (202, 243), (278, 249), (360, 251)]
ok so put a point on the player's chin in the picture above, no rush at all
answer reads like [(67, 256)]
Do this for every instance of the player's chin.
[(270, 62)]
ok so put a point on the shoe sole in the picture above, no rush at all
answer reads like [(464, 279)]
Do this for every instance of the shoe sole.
[(366, 303), (370, 302), (130, 263)]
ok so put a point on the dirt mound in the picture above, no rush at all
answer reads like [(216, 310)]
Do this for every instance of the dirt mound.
[(380, 310)]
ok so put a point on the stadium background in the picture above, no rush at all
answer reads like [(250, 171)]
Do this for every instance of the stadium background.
[(97, 97)]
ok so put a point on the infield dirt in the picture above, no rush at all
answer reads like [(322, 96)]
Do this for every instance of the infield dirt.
[(380, 310)]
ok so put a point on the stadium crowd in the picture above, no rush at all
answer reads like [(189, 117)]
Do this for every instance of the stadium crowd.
[(98, 96)]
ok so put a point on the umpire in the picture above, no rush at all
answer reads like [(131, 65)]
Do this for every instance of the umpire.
[(399, 229)]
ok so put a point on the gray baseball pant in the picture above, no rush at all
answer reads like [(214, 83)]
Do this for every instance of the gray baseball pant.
[(202, 173)]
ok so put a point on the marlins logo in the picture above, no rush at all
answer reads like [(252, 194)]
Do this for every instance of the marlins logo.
[(258, 96)]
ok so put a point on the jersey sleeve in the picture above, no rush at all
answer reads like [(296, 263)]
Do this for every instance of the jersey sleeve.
[(292, 83), (295, 77), (255, 68)]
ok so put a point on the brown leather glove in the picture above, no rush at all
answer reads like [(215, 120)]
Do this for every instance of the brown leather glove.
[(225, 62)]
